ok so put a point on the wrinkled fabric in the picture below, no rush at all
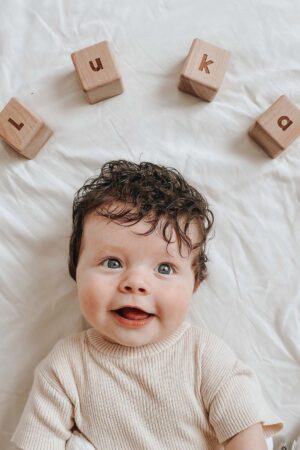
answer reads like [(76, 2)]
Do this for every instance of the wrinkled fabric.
[(251, 297)]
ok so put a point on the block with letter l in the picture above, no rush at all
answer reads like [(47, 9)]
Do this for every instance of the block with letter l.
[(203, 70), (97, 72), (22, 130)]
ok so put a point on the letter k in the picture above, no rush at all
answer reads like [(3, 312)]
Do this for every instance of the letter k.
[(205, 63)]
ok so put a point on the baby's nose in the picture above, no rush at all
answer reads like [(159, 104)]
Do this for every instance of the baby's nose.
[(134, 284), (140, 290)]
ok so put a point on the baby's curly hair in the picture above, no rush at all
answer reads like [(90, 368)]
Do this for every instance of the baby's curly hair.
[(146, 191)]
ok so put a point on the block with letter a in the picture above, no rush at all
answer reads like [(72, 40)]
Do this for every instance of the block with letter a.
[(97, 72), (22, 130), (203, 70), (277, 127)]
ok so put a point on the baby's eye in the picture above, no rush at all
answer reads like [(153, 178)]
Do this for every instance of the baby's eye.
[(111, 263), (165, 269)]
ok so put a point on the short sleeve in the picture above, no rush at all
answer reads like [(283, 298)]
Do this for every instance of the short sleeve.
[(47, 419), (232, 393)]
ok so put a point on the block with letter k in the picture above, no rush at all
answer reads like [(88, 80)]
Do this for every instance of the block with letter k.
[(203, 70)]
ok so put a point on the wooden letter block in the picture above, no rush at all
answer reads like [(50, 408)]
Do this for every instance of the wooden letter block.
[(97, 71), (277, 127), (22, 130), (203, 70)]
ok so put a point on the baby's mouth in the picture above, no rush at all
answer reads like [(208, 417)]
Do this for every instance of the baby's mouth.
[(132, 313)]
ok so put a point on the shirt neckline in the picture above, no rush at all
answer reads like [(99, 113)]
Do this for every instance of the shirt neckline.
[(119, 351)]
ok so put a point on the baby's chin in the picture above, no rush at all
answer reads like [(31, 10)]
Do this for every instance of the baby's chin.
[(153, 332), (134, 337), (125, 343), (131, 341)]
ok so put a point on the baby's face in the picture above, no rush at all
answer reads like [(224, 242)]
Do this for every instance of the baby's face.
[(118, 268)]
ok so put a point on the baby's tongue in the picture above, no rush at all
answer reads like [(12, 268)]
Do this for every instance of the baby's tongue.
[(134, 313)]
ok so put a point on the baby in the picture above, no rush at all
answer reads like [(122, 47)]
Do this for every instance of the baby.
[(142, 377)]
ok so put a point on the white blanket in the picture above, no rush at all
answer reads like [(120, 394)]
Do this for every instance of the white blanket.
[(251, 298)]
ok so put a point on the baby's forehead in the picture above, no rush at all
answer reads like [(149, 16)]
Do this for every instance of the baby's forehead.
[(190, 229), (162, 224), (97, 227)]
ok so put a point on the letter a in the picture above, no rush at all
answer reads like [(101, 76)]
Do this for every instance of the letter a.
[(288, 123), (205, 63), (99, 65)]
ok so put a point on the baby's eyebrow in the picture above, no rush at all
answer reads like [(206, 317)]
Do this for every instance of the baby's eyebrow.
[(111, 248), (108, 250), (118, 249)]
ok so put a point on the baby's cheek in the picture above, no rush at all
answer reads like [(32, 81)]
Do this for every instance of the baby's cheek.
[(89, 296), (88, 305), (184, 290), (179, 298)]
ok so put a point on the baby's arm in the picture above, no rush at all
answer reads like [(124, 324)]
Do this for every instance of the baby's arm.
[(48, 418), (233, 398), (252, 437)]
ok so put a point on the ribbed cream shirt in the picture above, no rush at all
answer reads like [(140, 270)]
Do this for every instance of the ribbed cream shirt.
[(186, 392)]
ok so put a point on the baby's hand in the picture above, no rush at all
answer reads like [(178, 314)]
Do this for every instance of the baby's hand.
[(78, 442)]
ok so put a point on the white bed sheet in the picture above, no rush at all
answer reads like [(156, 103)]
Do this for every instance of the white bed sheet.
[(252, 296)]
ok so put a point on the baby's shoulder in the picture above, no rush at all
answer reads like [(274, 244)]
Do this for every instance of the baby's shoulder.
[(66, 356), (73, 343), (209, 343), (203, 334)]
